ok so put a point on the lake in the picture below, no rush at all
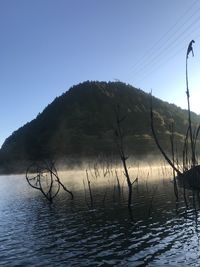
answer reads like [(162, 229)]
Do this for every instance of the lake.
[(159, 231)]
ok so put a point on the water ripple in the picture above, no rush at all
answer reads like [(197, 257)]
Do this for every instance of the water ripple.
[(34, 233)]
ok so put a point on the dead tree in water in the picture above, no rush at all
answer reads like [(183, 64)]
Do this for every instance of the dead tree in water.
[(43, 176), (190, 49), (191, 134), (190, 174), (171, 128), (171, 163), (90, 191), (119, 137)]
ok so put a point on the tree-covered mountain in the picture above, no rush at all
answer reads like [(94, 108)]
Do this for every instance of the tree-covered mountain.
[(80, 123)]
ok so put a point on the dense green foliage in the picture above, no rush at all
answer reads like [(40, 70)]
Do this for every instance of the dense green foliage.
[(80, 124)]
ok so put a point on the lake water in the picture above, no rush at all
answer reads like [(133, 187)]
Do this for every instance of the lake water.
[(159, 231)]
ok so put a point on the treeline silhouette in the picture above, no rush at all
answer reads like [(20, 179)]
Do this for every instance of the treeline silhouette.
[(80, 124)]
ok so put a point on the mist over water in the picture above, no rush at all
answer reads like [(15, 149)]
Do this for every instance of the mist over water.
[(158, 231)]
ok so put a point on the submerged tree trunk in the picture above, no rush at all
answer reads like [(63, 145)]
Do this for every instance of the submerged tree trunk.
[(119, 134), (158, 144)]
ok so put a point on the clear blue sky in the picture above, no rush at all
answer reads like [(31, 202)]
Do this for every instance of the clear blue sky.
[(46, 46)]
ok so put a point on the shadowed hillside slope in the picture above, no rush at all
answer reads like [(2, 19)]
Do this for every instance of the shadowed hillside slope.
[(80, 124)]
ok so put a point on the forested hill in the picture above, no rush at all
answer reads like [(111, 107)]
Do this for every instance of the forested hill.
[(80, 124)]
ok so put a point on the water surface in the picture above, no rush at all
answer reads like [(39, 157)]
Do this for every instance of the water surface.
[(159, 231)]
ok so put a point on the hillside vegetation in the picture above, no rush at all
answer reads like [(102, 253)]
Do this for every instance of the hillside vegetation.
[(80, 124)]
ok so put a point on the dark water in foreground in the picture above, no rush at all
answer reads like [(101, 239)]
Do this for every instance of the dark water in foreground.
[(159, 232)]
